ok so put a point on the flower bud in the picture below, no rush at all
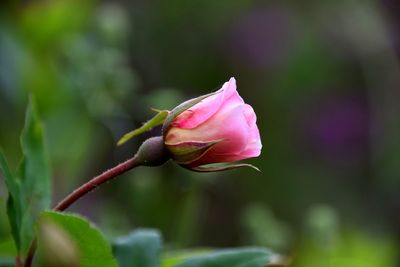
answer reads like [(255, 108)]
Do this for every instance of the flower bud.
[(213, 128), (220, 128)]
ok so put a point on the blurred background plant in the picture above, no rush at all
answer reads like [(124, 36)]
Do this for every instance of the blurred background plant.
[(323, 77)]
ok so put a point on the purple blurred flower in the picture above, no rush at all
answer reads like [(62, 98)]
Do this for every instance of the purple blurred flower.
[(262, 37), (339, 130), (392, 8)]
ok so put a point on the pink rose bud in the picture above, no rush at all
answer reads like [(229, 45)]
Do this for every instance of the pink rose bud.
[(220, 128)]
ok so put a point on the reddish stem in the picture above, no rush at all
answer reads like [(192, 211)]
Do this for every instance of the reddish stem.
[(18, 261), (31, 253), (95, 182), (83, 190)]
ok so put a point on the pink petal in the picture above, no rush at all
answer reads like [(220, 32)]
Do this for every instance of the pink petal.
[(201, 112), (253, 147), (231, 90), (228, 124)]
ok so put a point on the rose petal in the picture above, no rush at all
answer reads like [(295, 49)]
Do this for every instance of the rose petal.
[(231, 90), (253, 148), (228, 124), (202, 111), (250, 115)]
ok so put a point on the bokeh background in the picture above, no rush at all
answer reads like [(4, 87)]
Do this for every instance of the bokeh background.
[(323, 77)]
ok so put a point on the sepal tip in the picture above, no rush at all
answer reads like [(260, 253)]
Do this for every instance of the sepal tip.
[(204, 168)]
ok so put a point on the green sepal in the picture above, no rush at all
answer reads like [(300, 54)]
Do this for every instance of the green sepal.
[(188, 152), (220, 168), (181, 108), (158, 119)]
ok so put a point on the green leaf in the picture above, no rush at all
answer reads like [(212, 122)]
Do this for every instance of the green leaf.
[(140, 248), (30, 194), (170, 259), (147, 126), (56, 247), (7, 248), (243, 257), (34, 175), (29, 191), (94, 250), (13, 202), (10, 180)]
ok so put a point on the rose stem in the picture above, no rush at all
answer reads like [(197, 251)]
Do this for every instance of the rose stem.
[(83, 190), (95, 182), (18, 261)]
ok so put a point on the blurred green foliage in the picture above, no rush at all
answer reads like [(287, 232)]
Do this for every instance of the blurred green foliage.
[(325, 246), (322, 76)]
